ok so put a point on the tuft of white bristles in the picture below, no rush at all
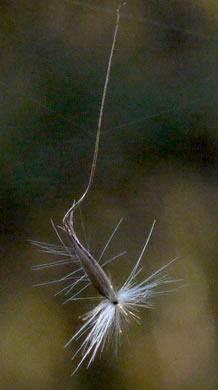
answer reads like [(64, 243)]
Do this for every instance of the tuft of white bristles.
[(69, 257), (107, 320)]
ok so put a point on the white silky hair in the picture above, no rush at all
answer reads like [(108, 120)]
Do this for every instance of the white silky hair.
[(70, 257), (107, 320)]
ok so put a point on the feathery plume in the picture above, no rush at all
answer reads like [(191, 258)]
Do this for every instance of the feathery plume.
[(109, 318)]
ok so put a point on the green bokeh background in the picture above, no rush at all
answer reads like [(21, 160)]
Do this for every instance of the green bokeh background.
[(157, 160)]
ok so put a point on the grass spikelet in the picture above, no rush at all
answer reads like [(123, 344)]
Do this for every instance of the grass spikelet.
[(116, 307)]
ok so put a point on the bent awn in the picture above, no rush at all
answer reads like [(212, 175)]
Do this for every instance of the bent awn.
[(117, 306)]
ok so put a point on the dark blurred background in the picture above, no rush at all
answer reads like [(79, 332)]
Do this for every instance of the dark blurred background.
[(157, 160)]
